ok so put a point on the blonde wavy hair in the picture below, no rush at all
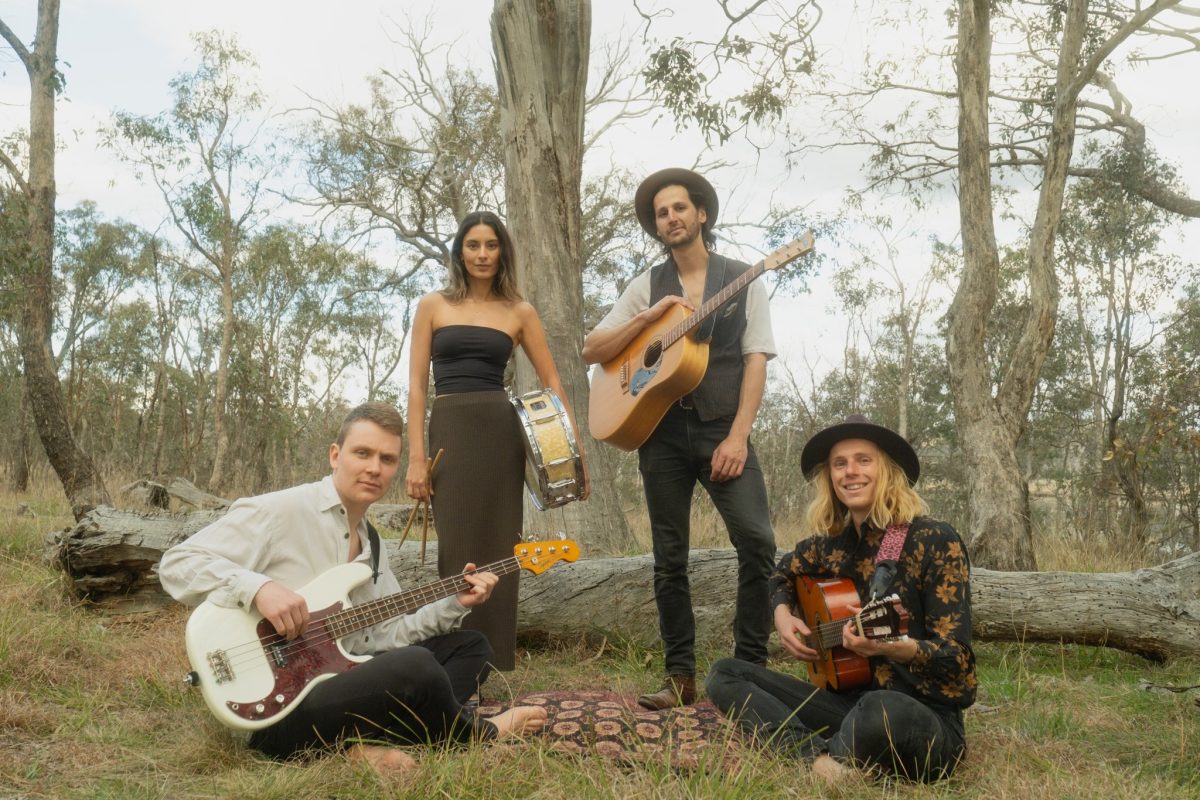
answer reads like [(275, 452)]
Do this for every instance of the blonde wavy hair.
[(895, 501)]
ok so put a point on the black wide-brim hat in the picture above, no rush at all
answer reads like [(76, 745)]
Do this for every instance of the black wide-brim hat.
[(856, 426), (643, 199)]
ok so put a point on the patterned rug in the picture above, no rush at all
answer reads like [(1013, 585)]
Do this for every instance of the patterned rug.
[(615, 726)]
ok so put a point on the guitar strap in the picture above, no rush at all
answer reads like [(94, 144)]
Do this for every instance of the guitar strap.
[(887, 559), (376, 548), (713, 283)]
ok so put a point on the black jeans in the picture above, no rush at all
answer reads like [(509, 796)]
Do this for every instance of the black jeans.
[(673, 459), (410, 695), (876, 728)]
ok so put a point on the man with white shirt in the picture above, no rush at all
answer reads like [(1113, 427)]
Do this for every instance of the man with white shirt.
[(705, 436), (422, 670)]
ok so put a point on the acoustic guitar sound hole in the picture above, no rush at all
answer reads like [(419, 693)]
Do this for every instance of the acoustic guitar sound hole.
[(653, 353)]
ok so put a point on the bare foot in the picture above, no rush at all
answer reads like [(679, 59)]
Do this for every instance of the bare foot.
[(385, 761), (518, 721), (832, 771)]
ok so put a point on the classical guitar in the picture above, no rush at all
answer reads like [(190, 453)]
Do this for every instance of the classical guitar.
[(824, 605), (631, 393), (252, 677)]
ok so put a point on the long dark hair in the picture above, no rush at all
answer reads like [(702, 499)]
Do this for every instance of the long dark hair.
[(504, 285)]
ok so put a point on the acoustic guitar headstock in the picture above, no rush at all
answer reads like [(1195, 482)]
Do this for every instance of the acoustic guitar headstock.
[(789, 252)]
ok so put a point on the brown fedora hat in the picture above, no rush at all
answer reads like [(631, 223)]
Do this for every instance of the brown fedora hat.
[(856, 426), (643, 199)]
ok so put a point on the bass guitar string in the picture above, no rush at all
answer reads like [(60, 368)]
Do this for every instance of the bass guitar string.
[(248, 652)]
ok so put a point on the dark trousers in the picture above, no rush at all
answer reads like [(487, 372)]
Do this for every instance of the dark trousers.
[(411, 695), (878, 728), (673, 459)]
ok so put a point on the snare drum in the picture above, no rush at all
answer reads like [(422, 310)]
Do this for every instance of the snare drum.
[(553, 468)]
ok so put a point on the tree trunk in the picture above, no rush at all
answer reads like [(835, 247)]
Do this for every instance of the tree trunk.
[(21, 450), (989, 426), (219, 476), (541, 49), (80, 479), (111, 557)]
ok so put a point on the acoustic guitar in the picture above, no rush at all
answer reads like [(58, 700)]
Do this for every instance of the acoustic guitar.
[(631, 393), (824, 605), (252, 677)]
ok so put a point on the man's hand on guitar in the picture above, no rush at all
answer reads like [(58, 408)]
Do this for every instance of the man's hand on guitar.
[(658, 309), (788, 626), (482, 584), (729, 459), (283, 608)]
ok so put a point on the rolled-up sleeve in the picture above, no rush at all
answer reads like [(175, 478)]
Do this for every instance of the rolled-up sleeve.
[(633, 301), (758, 338)]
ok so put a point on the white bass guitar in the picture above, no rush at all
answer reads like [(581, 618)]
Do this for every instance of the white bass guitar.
[(251, 677)]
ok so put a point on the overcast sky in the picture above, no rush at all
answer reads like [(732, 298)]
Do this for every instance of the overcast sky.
[(120, 54)]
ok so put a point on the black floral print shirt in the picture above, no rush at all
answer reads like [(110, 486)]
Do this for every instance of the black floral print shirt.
[(933, 582)]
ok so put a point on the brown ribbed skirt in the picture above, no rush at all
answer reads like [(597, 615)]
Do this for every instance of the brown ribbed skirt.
[(477, 502)]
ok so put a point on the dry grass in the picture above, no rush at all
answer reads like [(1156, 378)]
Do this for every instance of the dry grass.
[(93, 707)]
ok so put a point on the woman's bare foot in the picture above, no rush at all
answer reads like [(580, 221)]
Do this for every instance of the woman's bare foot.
[(518, 721), (832, 771), (385, 761)]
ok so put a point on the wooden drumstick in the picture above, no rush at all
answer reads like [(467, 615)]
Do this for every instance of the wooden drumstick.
[(431, 465)]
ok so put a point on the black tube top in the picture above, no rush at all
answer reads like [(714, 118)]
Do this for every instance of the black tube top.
[(469, 358)]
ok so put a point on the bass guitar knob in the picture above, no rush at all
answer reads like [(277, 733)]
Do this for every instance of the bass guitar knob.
[(192, 679)]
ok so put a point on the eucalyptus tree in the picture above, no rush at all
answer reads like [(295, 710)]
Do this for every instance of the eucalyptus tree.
[(97, 263), (743, 78), (29, 272), (1016, 107), (1173, 413), (299, 298), (1117, 274), (416, 157), (210, 159)]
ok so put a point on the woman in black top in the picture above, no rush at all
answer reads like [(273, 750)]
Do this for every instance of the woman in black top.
[(908, 720), (467, 332)]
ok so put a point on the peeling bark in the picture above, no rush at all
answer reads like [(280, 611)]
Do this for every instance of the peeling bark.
[(541, 49)]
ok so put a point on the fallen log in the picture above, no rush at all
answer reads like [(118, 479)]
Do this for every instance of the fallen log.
[(157, 494), (111, 557)]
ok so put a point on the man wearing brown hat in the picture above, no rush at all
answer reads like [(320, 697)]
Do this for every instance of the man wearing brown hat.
[(705, 436)]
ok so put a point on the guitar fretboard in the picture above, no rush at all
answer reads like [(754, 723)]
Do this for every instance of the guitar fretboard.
[(356, 618), (710, 305), (826, 635)]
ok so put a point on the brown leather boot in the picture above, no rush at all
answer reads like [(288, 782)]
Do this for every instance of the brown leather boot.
[(677, 690)]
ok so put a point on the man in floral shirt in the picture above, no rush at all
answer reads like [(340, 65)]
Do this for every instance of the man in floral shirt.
[(908, 719)]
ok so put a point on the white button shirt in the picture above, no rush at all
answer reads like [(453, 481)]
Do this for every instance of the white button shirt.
[(292, 536)]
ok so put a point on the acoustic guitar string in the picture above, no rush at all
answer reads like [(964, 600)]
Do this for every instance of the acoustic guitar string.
[(732, 288)]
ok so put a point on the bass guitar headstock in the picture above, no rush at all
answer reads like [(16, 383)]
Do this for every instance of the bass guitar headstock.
[(884, 620), (537, 557)]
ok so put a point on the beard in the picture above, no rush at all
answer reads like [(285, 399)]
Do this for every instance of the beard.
[(682, 238)]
